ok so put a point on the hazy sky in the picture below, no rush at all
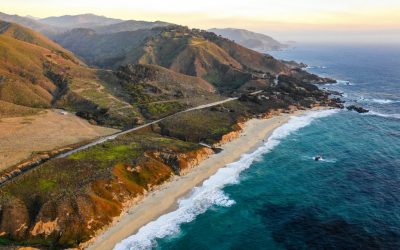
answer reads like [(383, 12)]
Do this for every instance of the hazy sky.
[(368, 20)]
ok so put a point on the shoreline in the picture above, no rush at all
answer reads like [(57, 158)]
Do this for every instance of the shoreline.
[(164, 198)]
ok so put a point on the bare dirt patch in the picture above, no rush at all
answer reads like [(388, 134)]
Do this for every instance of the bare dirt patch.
[(22, 136)]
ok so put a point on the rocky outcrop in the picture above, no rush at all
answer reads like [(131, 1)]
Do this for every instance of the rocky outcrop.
[(14, 219), (357, 109), (306, 77)]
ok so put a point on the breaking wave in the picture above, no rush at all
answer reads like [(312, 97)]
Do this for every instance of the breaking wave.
[(316, 67), (379, 101), (396, 116)]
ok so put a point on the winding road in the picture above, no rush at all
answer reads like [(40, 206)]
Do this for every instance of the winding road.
[(9, 176), (113, 136)]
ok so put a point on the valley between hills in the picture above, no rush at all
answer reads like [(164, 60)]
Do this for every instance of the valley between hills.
[(68, 81)]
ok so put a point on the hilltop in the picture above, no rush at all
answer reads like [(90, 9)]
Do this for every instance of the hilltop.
[(249, 39), (220, 61)]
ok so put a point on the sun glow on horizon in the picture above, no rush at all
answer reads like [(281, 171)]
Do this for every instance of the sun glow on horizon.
[(258, 15)]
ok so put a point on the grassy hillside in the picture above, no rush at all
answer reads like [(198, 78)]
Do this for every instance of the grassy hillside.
[(158, 91), (104, 50), (38, 73), (220, 61)]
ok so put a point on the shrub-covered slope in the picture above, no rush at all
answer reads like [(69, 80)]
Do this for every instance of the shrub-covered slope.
[(38, 73), (159, 92)]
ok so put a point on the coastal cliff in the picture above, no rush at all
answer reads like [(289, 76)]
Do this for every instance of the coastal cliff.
[(69, 220)]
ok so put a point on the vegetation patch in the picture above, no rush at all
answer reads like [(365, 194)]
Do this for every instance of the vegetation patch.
[(109, 151), (199, 125), (158, 110)]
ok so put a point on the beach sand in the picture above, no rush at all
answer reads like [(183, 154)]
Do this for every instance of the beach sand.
[(164, 199)]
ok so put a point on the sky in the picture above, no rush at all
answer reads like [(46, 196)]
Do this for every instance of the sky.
[(298, 20)]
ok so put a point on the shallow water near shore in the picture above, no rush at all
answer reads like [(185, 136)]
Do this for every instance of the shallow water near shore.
[(279, 197)]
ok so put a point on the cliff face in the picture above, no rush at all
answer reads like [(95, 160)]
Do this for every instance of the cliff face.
[(73, 219), (231, 135)]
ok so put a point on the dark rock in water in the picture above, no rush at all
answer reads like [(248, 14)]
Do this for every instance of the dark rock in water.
[(357, 109), (318, 158), (333, 92)]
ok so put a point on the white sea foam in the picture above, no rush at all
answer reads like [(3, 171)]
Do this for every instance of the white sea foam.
[(328, 160), (343, 82), (316, 67), (381, 101), (396, 116), (323, 159), (210, 193)]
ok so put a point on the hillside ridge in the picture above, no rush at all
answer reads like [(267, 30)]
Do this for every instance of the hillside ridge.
[(252, 40)]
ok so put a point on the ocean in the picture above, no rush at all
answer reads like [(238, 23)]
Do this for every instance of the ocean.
[(279, 197)]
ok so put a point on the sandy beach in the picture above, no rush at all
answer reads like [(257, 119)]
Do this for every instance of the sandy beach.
[(164, 199)]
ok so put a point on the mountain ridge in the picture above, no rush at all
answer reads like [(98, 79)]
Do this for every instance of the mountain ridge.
[(79, 21), (249, 39), (188, 51)]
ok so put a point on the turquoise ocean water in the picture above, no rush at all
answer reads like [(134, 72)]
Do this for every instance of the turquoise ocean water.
[(278, 197)]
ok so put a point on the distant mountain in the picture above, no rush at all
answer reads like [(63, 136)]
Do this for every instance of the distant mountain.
[(249, 39), (220, 61), (79, 21), (52, 26), (29, 23), (130, 25), (33, 17)]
